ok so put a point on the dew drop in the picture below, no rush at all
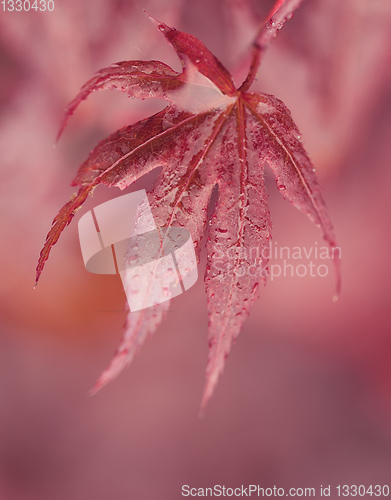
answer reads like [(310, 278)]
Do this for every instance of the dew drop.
[(161, 27), (281, 187)]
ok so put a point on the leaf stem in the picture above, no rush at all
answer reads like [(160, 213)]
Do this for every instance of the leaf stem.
[(281, 12)]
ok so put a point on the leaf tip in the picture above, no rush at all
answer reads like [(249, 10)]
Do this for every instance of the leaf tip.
[(39, 270), (37, 273), (105, 377), (62, 127), (210, 385), (95, 389), (204, 402), (159, 25), (103, 380)]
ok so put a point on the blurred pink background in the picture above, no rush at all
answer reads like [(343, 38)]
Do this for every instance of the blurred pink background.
[(305, 398)]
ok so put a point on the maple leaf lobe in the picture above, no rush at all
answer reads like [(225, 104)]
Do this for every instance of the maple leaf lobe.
[(189, 48)]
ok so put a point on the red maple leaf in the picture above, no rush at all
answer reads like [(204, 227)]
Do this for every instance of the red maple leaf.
[(210, 134)]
